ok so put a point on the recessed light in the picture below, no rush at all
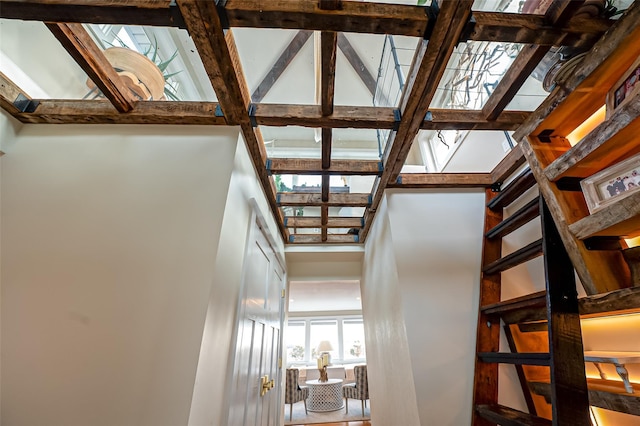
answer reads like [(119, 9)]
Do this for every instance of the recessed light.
[(291, 300), (357, 298)]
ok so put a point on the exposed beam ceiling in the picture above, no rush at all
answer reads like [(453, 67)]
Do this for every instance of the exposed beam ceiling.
[(438, 32)]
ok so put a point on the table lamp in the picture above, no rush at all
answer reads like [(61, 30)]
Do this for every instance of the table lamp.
[(324, 347)]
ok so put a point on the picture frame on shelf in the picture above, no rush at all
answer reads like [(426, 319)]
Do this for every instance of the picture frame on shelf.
[(624, 89), (612, 184)]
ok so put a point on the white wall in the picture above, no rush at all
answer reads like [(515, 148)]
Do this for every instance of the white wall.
[(110, 234), (211, 390), (433, 240), (389, 364)]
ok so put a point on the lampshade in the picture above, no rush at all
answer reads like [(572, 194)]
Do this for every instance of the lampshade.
[(325, 346)]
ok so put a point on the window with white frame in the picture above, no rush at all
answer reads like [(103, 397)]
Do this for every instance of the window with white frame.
[(345, 333)]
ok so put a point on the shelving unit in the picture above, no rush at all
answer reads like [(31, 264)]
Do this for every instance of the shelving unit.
[(558, 167)]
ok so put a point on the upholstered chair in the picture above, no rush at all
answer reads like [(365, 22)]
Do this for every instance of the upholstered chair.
[(359, 389), (293, 391)]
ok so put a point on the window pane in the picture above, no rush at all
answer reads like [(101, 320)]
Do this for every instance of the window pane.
[(295, 341), (324, 330), (353, 338)]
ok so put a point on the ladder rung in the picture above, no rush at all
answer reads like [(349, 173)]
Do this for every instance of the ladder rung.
[(529, 252), (530, 300), (512, 191), (516, 220), (516, 358), (506, 416)]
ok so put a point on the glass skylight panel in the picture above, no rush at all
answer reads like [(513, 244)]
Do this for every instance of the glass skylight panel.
[(357, 144), (33, 59), (474, 70), (357, 62), (310, 183), (292, 142), (178, 74), (509, 6), (262, 51), (394, 66), (529, 97)]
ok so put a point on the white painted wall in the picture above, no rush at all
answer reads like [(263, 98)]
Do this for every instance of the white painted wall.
[(432, 246), (109, 238), (389, 362), (210, 394)]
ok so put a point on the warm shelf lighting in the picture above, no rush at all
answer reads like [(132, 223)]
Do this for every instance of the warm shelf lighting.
[(633, 242), (587, 126)]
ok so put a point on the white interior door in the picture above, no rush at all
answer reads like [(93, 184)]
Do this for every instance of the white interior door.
[(258, 341)]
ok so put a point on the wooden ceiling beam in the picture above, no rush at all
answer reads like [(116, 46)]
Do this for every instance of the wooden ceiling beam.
[(316, 222), (509, 164), (429, 63), (442, 180), (125, 12), (9, 94), (535, 29), (324, 219), (217, 50), (69, 111), (283, 61), (79, 44), (560, 12), (352, 16), (303, 166), (317, 239), (356, 63), (315, 199)]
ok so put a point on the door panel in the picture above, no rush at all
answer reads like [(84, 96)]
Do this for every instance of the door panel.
[(258, 342)]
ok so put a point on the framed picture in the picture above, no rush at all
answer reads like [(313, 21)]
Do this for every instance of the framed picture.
[(624, 89), (612, 184)]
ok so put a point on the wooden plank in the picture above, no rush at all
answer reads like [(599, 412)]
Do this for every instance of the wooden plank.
[(219, 56), (485, 379), (316, 222), (626, 300), (600, 271), (283, 61), (606, 394), (141, 12), (621, 218), (304, 166), (324, 219), (352, 17), (509, 164), (325, 193), (527, 213), (328, 52), (532, 300), (530, 251), (429, 63), (568, 382), (603, 146), (326, 148), (356, 63), (362, 117), (535, 29), (79, 44), (64, 111), (602, 66), (519, 358), (506, 416), (632, 257), (305, 199), (508, 87), (522, 378), (317, 239), (559, 13), (9, 92), (442, 180), (514, 190)]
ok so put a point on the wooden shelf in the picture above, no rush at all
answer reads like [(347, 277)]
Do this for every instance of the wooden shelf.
[(609, 143), (621, 218)]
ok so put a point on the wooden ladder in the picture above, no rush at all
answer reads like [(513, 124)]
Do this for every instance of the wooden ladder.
[(554, 311)]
